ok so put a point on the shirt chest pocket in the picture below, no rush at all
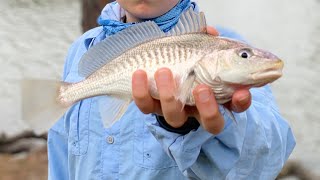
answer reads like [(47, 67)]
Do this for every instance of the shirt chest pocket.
[(79, 127), (148, 152)]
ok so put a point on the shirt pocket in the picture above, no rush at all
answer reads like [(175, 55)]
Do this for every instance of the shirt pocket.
[(148, 152), (79, 127)]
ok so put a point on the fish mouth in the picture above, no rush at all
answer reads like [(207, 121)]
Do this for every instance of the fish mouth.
[(269, 74)]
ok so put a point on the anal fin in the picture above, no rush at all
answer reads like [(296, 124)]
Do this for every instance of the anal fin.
[(112, 109)]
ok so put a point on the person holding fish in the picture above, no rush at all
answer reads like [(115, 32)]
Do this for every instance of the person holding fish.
[(156, 94)]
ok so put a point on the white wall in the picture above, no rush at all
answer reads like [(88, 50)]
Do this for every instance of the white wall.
[(290, 29), (34, 38)]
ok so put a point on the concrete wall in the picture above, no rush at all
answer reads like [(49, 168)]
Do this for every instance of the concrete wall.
[(34, 36)]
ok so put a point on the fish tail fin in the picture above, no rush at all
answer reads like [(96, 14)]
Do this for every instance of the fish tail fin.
[(41, 104)]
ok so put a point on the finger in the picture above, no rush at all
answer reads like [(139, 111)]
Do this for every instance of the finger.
[(141, 95), (210, 116), (241, 100), (171, 108), (212, 31)]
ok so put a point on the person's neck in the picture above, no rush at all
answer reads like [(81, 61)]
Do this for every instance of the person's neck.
[(130, 18)]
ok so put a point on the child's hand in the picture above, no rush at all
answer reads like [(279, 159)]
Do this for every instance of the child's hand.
[(206, 110)]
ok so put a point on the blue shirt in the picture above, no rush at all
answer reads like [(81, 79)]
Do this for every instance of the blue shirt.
[(136, 147)]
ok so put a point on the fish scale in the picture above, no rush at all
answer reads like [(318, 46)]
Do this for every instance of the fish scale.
[(167, 54)]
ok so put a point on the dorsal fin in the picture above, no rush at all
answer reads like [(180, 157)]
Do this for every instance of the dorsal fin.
[(190, 22), (113, 46)]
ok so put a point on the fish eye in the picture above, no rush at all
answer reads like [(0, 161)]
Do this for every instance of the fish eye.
[(245, 53)]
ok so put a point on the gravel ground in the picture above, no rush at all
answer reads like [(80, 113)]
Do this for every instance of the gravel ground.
[(31, 166)]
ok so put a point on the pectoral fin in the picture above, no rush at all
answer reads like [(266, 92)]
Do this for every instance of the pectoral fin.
[(230, 114), (185, 89)]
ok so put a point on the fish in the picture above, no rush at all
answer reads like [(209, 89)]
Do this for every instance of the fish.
[(194, 57)]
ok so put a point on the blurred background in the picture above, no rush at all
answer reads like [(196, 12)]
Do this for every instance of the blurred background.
[(35, 36)]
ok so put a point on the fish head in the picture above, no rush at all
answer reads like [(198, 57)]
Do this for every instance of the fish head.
[(242, 64)]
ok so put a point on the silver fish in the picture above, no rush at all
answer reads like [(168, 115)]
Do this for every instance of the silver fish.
[(193, 56)]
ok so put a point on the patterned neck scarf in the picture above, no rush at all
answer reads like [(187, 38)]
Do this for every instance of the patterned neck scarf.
[(112, 13)]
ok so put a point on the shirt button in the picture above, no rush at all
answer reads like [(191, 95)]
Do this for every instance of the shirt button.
[(110, 139)]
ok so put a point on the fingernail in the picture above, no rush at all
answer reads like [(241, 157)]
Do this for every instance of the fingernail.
[(204, 95), (138, 79), (163, 77), (244, 100)]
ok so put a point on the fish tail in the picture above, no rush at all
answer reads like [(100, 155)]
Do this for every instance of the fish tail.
[(42, 103), (62, 87)]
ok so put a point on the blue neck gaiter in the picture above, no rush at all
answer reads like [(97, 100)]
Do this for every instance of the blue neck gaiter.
[(165, 22)]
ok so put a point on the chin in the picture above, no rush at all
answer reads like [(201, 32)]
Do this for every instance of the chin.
[(147, 9), (144, 11)]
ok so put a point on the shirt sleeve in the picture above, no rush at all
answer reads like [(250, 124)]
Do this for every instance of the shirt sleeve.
[(191, 124), (256, 147)]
